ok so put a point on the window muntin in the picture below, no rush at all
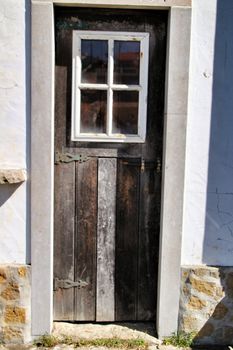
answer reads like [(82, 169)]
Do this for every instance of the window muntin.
[(109, 89)]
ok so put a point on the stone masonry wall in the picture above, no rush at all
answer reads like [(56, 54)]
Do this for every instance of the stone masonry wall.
[(15, 300), (206, 303)]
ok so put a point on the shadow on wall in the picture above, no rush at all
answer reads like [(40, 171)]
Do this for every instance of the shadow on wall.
[(218, 242), (6, 191), (28, 121)]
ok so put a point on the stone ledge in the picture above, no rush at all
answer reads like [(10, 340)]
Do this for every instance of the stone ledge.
[(12, 176), (120, 3)]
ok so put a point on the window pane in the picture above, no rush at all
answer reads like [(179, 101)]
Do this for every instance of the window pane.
[(93, 111), (94, 55), (126, 60), (125, 112)]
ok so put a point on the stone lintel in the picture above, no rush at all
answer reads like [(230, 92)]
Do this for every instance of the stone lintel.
[(149, 4)]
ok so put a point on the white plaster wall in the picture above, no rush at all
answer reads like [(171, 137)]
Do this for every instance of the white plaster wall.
[(208, 208), (13, 129)]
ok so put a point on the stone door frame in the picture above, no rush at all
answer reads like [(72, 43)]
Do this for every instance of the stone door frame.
[(42, 156)]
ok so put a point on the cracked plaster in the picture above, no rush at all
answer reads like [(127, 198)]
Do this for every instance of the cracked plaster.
[(208, 210)]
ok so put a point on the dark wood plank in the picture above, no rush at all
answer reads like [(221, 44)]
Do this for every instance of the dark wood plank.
[(132, 300), (64, 204), (85, 239), (127, 240), (93, 152), (60, 107), (152, 148), (105, 291), (148, 242)]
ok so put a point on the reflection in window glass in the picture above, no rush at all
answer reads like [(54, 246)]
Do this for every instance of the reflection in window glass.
[(125, 112), (126, 62), (94, 56), (93, 111)]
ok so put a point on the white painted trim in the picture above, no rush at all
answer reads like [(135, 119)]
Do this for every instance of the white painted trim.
[(105, 35), (143, 82), (77, 86), (110, 83), (42, 160), (42, 157), (141, 4), (112, 86), (176, 99)]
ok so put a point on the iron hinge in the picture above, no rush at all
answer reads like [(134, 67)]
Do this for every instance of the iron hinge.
[(65, 284), (142, 165), (158, 167), (68, 158)]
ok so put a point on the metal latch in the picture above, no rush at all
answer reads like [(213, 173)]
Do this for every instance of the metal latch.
[(158, 167), (142, 165), (68, 158), (65, 284)]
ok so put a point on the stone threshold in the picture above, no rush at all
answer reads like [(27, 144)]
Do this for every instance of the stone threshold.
[(126, 330), (70, 347)]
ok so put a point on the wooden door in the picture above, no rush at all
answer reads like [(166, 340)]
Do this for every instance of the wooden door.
[(107, 195)]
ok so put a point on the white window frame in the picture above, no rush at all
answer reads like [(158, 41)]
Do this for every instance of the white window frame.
[(77, 85)]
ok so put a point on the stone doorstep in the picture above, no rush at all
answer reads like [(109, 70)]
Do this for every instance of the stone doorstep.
[(96, 331), (70, 347)]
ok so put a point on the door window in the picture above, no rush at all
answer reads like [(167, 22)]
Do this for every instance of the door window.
[(109, 91)]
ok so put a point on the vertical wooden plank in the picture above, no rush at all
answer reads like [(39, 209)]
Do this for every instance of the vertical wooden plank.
[(127, 240), (60, 107), (63, 239), (148, 243), (64, 204), (105, 289), (85, 239)]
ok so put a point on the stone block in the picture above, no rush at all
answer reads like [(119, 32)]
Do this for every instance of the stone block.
[(3, 276), (220, 311), (229, 284), (207, 271), (12, 176), (206, 331), (190, 323), (203, 286), (14, 314), (22, 271), (196, 303), (228, 335), (11, 335), (11, 292)]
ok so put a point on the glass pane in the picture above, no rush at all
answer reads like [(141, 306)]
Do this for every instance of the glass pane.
[(125, 112), (126, 59), (94, 55), (93, 111)]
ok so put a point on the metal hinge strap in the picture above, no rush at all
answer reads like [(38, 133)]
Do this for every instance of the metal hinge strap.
[(65, 284), (68, 158)]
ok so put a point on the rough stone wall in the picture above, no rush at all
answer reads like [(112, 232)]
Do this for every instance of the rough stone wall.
[(15, 300), (206, 303)]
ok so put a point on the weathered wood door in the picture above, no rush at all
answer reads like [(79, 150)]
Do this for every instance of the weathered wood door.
[(107, 195)]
